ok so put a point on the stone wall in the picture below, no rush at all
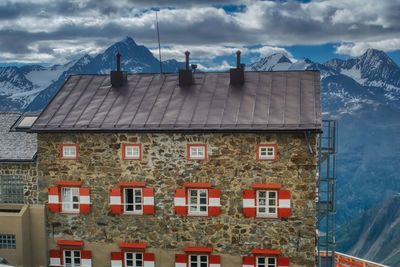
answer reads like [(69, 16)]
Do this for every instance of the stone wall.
[(231, 167), (27, 170)]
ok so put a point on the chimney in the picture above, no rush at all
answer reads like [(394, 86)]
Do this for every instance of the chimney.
[(237, 74), (118, 77), (186, 75)]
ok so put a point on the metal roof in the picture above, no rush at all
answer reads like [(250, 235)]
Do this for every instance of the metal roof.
[(15, 146), (287, 100)]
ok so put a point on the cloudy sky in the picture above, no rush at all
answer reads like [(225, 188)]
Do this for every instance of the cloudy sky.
[(51, 31)]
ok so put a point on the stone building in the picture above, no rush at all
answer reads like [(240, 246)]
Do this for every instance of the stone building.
[(196, 169), (23, 238)]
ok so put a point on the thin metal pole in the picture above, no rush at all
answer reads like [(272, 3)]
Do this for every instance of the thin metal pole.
[(159, 45)]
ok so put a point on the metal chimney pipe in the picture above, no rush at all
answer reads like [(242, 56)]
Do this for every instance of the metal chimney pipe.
[(187, 53), (118, 61), (238, 59)]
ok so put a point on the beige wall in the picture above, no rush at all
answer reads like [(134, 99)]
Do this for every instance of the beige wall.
[(28, 226)]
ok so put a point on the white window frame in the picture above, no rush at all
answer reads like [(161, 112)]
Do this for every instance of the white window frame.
[(267, 206), (134, 203), (72, 258), (133, 259), (197, 151), (132, 156), (67, 152), (67, 200), (197, 205), (268, 154), (266, 264), (198, 259)]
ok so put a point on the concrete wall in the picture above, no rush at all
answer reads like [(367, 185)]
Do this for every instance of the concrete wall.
[(232, 167), (27, 223)]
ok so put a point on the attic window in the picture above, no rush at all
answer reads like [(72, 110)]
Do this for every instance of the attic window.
[(131, 151), (27, 122), (196, 151), (69, 151), (266, 152)]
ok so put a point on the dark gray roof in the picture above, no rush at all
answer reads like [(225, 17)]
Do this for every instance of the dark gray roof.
[(153, 102), (15, 146)]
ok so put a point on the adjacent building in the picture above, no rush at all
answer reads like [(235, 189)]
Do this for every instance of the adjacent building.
[(193, 169)]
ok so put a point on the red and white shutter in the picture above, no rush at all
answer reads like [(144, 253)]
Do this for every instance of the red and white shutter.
[(215, 261), (284, 210), (283, 262), (214, 202), (148, 201), (248, 261), (180, 202), (116, 259), (55, 257), (249, 203), (84, 200), (86, 258), (54, 199), (116, 200), (181, 260), (148, 259)]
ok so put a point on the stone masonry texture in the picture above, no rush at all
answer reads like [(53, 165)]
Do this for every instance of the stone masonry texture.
[(231, 167)]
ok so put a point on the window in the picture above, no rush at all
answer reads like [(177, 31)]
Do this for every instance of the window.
[(69, 151), (267, 203), (266, 262), (266, 152), (198, 201), (11, 189), (72, 258), (132, 151), (7, 241), (133, 200), (197, 152), (198, 261), (70, 199), (133, 259)]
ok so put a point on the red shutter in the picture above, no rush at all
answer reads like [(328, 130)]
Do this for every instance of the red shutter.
[(116, 259), (215, 260), (55, 258), (284, 210), (283, 262), (249, 203), (86, 258), (54, 199), (181, 260), (180, 202), (149, 259), (248, 261), (148, 201), (84, 200), (115, 200), (214, 202)]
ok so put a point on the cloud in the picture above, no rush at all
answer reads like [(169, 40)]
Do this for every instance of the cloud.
[(207, 28), (358, 48)]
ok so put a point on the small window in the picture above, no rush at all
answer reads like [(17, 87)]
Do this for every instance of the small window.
[(198, 201), (133, 259), (267, 203), (132, 152), (70, 199), (197, 152), (7, 241), (72, 258), (266, 152), (69, 151), (266, 262), (198, 261), (133, 200)]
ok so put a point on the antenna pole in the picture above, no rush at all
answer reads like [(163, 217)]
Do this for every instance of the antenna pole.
[(159, 46)]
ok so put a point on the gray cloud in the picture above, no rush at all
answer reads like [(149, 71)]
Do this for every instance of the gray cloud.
[(42, 26)]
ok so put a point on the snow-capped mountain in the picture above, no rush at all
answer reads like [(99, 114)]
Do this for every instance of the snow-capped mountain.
[(30, 87)]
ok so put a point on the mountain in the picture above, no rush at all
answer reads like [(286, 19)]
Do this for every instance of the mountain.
[(30, 87), (375, 234)]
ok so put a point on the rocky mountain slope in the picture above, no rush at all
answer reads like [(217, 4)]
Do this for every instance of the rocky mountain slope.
[(30, 87), (375, 234)]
